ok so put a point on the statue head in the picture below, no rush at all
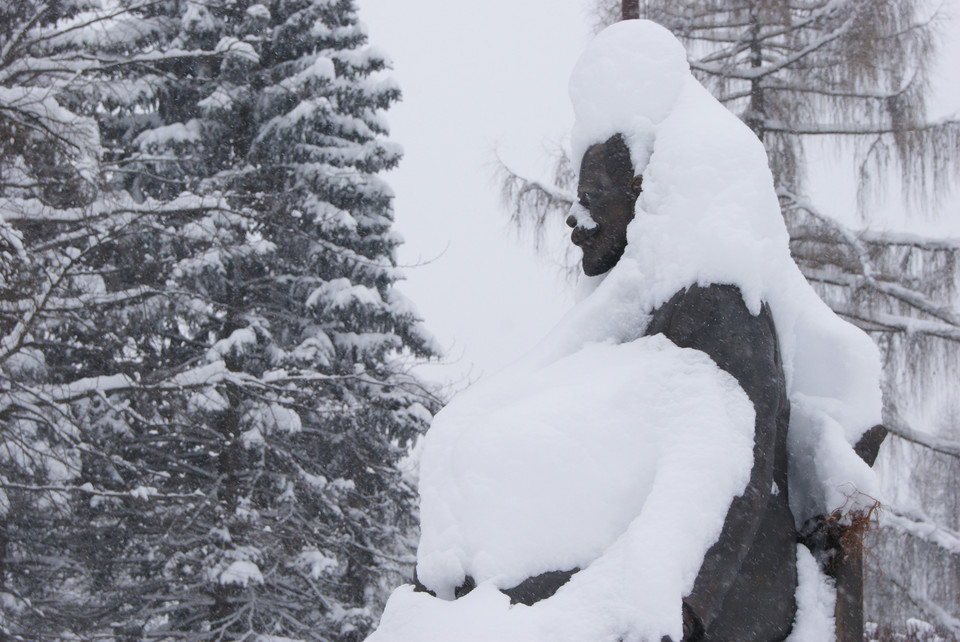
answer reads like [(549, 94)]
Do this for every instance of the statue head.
[(608, 191)]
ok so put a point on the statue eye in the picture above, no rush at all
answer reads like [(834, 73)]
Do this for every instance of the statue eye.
[(585, 200)]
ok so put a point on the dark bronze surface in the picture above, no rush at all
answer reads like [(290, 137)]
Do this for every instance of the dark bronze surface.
[(608, 190), (746, 585)]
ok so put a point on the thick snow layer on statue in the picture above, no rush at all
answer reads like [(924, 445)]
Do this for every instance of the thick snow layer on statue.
[(709, 214), (544, 470), (816, 598), (485, 614), (619, 459)]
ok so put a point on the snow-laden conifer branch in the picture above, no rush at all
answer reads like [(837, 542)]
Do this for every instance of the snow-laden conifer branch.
[(44, 302), (54, 305), (20, 30), (142, 493), (197, 378), (13, 340)]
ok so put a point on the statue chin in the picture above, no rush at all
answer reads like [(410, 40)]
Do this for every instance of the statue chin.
[(595, 264), (591, 269)]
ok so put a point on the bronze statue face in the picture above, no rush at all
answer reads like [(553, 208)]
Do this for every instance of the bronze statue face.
[(608, 190)]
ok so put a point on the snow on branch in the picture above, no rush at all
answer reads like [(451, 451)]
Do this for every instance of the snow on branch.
[(861, 273), (792, 201), (195, 378), (17, 209), (884, 322), (856, 129), (14, 339), (65, 304), (762, 71), (907, 239), (82, 65), (947, 328), (866, 94), (922, 528), (938, 444), (141, 492)]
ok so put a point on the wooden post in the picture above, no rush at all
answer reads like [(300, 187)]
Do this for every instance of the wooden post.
[(630, 9), (848, 574), (848, 566)]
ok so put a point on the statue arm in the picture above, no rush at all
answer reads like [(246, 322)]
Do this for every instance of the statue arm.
[(715, 320)]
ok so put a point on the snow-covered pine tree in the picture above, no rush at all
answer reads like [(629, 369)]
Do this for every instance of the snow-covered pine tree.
[(856, 72), (50, 215), (239, 408)]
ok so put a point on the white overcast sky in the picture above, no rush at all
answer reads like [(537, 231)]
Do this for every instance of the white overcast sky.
[(481, 77)]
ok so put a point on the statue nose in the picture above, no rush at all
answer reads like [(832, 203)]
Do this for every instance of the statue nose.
[(580, 218)]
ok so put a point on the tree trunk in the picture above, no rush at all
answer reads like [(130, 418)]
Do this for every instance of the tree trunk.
[(757, 110), (631, 9)]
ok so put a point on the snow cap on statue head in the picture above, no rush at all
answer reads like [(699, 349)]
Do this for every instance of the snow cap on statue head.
[(606, 101)]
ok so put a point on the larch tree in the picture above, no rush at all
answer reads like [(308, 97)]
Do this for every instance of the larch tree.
[(854, 73), (219, 367)]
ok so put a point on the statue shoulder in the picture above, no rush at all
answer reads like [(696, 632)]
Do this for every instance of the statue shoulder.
[(714, 319)]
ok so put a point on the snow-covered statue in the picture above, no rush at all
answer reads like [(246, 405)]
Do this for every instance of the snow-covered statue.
[(751, 568), (641, 473)]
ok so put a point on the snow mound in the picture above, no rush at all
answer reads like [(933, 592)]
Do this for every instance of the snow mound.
[(545, 470), (619, 459)]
